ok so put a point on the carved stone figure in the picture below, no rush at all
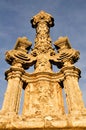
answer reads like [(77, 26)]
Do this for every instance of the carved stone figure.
[(43, 106)]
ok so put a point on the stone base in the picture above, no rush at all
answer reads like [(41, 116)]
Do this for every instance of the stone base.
[(47, 123)]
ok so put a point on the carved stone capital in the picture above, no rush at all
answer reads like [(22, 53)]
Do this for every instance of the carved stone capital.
[(14, 72), (42, 17), (71, 71)]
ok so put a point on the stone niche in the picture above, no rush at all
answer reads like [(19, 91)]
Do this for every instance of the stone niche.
[(43, 106)]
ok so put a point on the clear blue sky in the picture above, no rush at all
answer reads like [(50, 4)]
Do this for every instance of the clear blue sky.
[(70, 20)]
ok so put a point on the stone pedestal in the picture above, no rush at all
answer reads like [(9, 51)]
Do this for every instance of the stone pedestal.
[(43, 96)]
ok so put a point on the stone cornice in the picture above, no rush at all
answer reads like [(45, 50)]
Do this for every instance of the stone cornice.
[(52, 77)]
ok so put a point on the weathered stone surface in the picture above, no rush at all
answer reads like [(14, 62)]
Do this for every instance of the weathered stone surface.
[(20, 123), (43, 107), (43, 98)]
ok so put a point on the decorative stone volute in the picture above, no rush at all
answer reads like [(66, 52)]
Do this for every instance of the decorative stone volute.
[(66, 54), (19, 55)]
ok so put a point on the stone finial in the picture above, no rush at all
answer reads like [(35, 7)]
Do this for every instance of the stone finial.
[(22, 43), (19, 55), (42, 16), (43, 47), (66, 54), (62, 42)]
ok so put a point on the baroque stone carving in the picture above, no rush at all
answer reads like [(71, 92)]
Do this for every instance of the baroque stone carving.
[(43, 106)]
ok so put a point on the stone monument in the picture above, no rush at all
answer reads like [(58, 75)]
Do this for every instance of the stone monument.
[(43, 107)]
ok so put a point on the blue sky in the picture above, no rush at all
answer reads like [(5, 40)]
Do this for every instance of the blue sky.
[(70, 20)]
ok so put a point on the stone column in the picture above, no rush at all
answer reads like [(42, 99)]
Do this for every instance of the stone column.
[(13, 92), (72, 90), (19, 59)]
